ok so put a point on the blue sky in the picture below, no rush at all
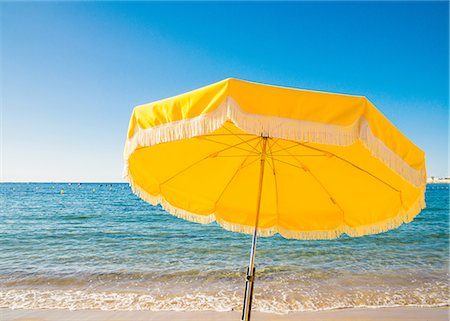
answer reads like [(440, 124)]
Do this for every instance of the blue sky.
[(71, 72)]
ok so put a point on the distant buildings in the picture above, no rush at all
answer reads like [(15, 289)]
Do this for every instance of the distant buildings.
[(438, 180)]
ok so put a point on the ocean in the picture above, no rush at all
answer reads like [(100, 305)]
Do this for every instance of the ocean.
[(98, 246)]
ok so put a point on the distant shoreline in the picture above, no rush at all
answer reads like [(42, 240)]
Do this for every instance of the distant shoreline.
[(438, 181)]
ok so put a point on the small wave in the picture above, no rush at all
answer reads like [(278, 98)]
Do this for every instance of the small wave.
[(112, 278), (78, 217), (224, 300)]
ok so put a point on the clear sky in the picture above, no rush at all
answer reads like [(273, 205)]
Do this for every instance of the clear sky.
[(72, 72)]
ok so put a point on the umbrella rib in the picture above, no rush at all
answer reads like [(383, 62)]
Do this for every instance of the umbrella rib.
[(274, 141), (305, 168), (275, 179), (255, 155), (204, 158), (229, 182), (270, 152), (215, 141), (241, 166), (271, 155), (250, 163), (315, 178), (348, 162), (304, 155), (232, 134), (240, 139), (284, 148), (256, 159), (248, 155)]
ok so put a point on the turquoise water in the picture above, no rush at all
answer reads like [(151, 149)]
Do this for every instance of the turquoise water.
[(100, 246)]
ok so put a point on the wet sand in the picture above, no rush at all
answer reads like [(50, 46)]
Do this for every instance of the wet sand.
[(381, 314)]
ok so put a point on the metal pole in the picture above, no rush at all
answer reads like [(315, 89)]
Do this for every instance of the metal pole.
[(251, 266)]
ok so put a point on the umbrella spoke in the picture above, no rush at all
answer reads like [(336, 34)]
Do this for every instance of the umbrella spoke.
[(222, 143), (304, 155), (348, 162), (204, 158), (306, 169), (241, 139), (273, 140), (274, 175), (282, 149), (232, 134), (250, 163), (241, 166), (255, 155)]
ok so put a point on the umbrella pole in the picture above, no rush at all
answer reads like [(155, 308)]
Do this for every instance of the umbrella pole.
[(251, 266)]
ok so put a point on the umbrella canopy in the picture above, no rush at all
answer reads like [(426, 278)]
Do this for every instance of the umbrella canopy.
[(263, 159), (334, 163)]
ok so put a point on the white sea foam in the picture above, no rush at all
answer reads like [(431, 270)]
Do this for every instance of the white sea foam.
[(221, 301)]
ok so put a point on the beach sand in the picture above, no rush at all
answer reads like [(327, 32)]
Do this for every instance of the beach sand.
[(382, 314)]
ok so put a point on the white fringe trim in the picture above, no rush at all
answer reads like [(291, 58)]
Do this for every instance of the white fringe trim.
[(278, 127), (403, 216)]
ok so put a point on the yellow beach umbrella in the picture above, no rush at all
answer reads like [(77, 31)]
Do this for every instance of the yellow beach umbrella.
[(263, 159)]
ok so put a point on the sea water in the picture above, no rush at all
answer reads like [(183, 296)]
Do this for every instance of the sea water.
[(84, 246)]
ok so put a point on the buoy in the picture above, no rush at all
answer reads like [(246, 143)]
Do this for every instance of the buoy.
[(93, 190)]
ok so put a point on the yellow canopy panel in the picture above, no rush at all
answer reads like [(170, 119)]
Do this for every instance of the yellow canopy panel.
[(334, 163)]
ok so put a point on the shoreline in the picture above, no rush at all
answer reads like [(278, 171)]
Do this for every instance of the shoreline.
[(356, 314)]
